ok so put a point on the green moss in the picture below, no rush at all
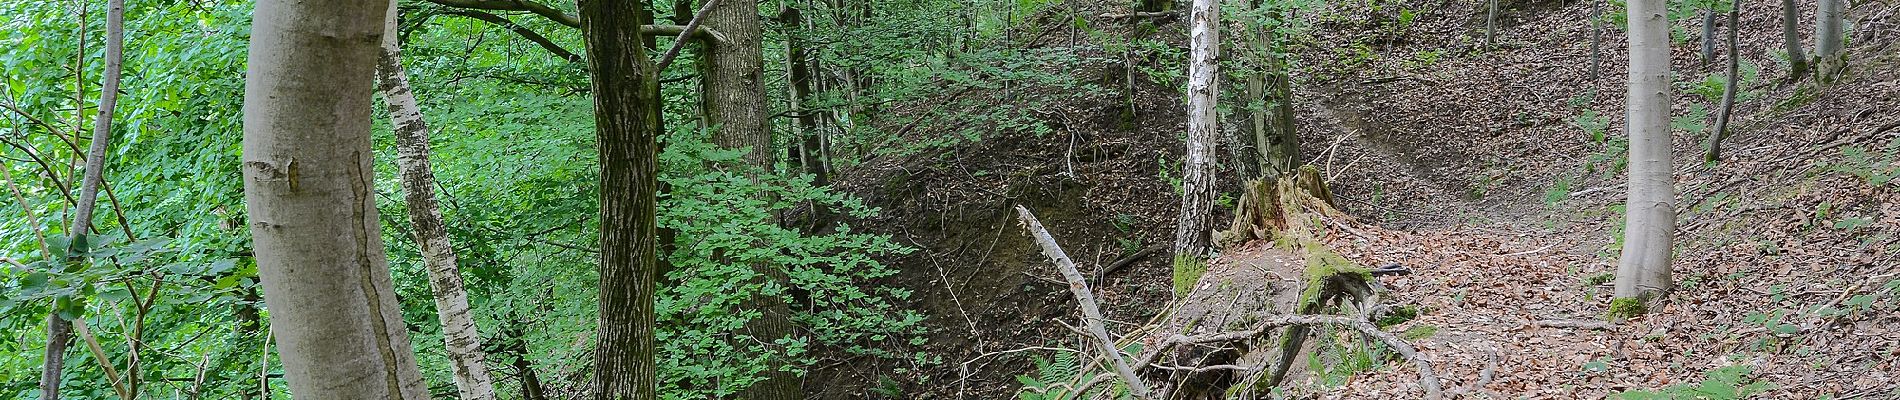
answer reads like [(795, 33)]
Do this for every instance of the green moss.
[(1626, 307), (1187, 271), (1323, 264), (1399, 315), (1419, 332)]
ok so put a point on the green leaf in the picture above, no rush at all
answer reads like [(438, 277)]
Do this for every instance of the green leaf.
[(115, 294), (69, 308), (34, 283)]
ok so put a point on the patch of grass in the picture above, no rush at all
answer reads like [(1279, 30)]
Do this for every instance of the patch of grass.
[(1419, 332)]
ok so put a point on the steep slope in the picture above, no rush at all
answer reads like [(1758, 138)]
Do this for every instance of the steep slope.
[(1483, 174)]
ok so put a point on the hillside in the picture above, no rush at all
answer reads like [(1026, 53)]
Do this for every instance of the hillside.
[(1477, 170)]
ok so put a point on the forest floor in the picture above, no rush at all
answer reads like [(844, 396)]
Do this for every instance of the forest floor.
[(1477, 169)]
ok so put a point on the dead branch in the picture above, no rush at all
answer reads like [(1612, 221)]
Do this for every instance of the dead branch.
[(1091, 313), (1124, 262), (1143, 14)]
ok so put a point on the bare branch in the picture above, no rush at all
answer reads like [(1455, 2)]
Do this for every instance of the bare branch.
[(525, 33), (515, 5), (1090, 311)]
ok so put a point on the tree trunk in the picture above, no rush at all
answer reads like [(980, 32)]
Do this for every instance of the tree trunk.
[(59, 334), (1643, 270), (1195, 224), (515, 345), (1282, 144), (1274, 142), (625, 117), (307, 184), (1790, 19), (810, 151), (1490, 24), (58, 329), (462, 341), (734, 104), (1728, 92), (1828, 37), (1708, 37), (1596, 40)]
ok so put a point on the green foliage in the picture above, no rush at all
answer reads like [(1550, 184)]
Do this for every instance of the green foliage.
[(1875, 168), (1046, 382), (1725, 383), (724, 230)]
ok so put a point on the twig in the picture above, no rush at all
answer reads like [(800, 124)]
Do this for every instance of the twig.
[(686, 32), (1539, 250), (92, 343), (1574, 324), (1091, 313)]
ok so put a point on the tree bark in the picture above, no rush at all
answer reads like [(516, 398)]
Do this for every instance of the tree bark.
[(1490, 24), (810, 150), (1790, 19), (1091, 313), (733, 103), (1195, 224), (307, 184), (1708, 37), (626, 116), (1596, 40), (1643, 272), (461, 340), (58, 329), (1282, 144), (1728, 92), (1828, 37)]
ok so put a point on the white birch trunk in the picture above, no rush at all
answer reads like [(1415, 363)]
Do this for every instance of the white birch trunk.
[(1193, 226), (307, 184), (462, 340), (1644, 268)]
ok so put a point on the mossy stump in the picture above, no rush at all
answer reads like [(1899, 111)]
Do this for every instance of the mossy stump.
[(1273, 262)]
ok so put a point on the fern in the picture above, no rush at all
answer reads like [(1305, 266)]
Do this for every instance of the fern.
[(1047, 382)]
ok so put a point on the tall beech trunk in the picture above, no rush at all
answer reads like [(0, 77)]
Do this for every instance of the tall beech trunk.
[(733, 102), (1791, 34), (1728, 92), (1643, 271), (462, 341), (307, 184), (59, 331), (1195, 223), (1828, 36), (626, 116)]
